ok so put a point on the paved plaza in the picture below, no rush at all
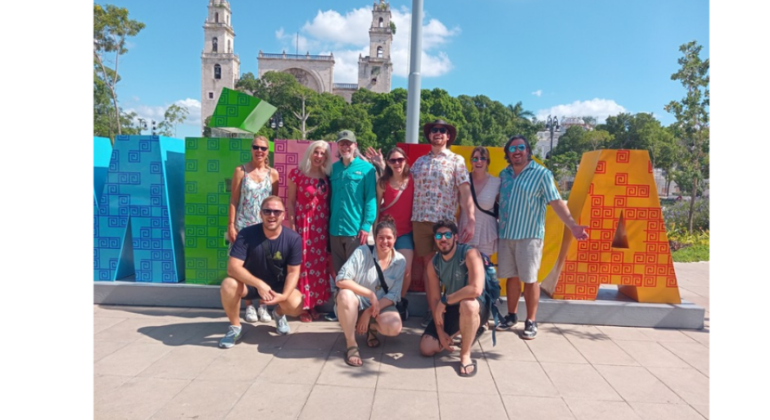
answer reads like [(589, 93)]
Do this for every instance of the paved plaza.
[(164, 363)]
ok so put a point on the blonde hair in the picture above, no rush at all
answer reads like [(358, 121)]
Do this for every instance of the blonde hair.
[(263, 138), (305, 165)]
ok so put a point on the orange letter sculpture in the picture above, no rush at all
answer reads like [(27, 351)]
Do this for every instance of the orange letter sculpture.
[(614, 194)]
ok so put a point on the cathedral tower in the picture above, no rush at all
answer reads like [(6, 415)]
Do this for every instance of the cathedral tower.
[(375, 70), (220, 67)]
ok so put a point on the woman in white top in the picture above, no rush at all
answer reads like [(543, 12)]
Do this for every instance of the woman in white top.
[(362, 305), (487, 188)]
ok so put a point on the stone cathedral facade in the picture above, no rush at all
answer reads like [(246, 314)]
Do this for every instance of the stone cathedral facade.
[(220, 66)]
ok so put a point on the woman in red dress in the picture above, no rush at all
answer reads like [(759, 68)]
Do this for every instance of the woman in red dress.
[(307, 205)]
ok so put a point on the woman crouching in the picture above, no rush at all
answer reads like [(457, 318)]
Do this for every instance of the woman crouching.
[(365, 305)]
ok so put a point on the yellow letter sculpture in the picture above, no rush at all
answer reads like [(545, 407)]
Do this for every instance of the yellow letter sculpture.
[(614, 194)]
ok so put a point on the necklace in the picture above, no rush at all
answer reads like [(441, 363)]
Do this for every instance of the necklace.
[(401, 185), (386, 263)]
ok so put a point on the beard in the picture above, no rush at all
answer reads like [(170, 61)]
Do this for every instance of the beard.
[(450, 248)]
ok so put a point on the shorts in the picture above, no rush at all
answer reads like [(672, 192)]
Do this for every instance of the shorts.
[(363, 304), (405, 241), (253, 294), (424, 244), (452, 321), (519, 258)]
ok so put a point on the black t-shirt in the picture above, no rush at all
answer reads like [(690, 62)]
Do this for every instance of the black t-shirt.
[(286, 250)]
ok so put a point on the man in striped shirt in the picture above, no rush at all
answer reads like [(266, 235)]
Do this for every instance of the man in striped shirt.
[(525, 190)]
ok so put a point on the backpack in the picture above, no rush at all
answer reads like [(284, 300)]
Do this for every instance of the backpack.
[(491, 294)]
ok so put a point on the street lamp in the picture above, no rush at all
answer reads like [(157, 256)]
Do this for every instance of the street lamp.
[(552, 124), (142, 125), (276, 121)]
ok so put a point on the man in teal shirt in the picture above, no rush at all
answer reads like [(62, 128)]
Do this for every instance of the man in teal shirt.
[(354, 200)]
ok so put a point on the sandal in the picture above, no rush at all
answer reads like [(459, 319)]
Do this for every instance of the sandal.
[(305, 317), (475, 367), (352, 351), (371, 339), (314, 314)]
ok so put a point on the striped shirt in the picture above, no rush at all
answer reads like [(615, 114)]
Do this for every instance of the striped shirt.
[(523, 201)]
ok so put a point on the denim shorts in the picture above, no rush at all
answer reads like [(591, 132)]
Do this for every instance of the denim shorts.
[(405, 241)]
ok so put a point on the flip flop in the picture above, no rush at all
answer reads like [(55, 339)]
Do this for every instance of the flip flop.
[(352, 351), (371, 339), (475, 366), (305, 317)]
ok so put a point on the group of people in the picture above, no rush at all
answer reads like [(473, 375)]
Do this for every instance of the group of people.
[(331, 209)]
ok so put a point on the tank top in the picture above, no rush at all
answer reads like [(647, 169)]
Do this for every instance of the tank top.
[(401, 211), (453, 274), (252, 195)]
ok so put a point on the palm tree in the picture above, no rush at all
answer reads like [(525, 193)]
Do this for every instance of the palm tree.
[(519, 113)]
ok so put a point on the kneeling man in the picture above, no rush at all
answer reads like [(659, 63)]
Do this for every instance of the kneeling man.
[(264, 264), (459, 269)]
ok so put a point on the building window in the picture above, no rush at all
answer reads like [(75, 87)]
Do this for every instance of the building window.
[(380, 22), (211, 95), (229, 49), (217, 71), (214, 44), (379, 52), (228, 19), (216, 17)]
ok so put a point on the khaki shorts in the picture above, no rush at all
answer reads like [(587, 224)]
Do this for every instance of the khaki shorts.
[(424, 245), (519, 258)]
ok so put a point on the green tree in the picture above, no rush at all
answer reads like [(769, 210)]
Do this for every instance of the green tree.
[(173, 116), (111, 29), (692, 116)]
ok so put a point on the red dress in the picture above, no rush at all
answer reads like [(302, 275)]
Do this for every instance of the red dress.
[(311, 219)]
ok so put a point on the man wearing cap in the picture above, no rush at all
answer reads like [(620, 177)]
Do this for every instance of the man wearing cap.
[(354, 200), (440, 178)]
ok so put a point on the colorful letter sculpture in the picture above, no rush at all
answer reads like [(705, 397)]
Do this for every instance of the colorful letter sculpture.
[(614, 194), (209, 171), (137, 226), (102, 154), (240, 111)]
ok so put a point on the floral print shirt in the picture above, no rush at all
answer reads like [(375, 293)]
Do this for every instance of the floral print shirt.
[(437, 180)]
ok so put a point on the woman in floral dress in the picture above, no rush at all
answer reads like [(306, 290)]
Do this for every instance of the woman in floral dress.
[(307, 207)]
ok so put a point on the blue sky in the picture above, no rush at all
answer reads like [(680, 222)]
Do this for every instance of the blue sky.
[(569, 58)]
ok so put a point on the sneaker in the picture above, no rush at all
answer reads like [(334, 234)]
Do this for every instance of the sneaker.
[(402, 306), (251, 314), (530, 329), (331, 317), (232, 336), (281, 324), (263, 314), (426, 319), (508, 322)]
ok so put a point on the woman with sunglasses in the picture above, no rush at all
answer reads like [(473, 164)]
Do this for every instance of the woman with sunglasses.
[(369, 285), (487, 192), (252, 183), (395, 194), (307, 206)]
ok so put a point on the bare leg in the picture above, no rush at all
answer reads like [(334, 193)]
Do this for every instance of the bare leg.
[(429, 346), (532, 299), (469, 324), (347, 313), (513, 289), (388, 323), (291, 306), (231, 291)]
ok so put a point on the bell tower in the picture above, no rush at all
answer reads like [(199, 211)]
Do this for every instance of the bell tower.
[(375, 70), (220, 67)]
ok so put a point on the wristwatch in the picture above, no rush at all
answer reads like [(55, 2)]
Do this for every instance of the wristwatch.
[(443, 299)]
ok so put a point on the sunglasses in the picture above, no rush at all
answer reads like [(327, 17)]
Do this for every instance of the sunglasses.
[(271, 212), (396, 160), (441, 130), (521, 148), (260, 148), (483, 159), (447, 235)]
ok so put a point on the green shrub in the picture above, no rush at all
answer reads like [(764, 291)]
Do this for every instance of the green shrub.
[(675, 216)]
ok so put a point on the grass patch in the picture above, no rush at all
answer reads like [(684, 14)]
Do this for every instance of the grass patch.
[(693, 253)]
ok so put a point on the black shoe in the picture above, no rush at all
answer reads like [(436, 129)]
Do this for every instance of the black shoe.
[(508, 322), (331, 317), (426, 319), (402, 306), (530, 329)]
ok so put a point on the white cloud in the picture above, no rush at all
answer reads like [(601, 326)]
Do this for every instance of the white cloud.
[(599, 108), (156, 112), (538, 93), (347, 37)]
